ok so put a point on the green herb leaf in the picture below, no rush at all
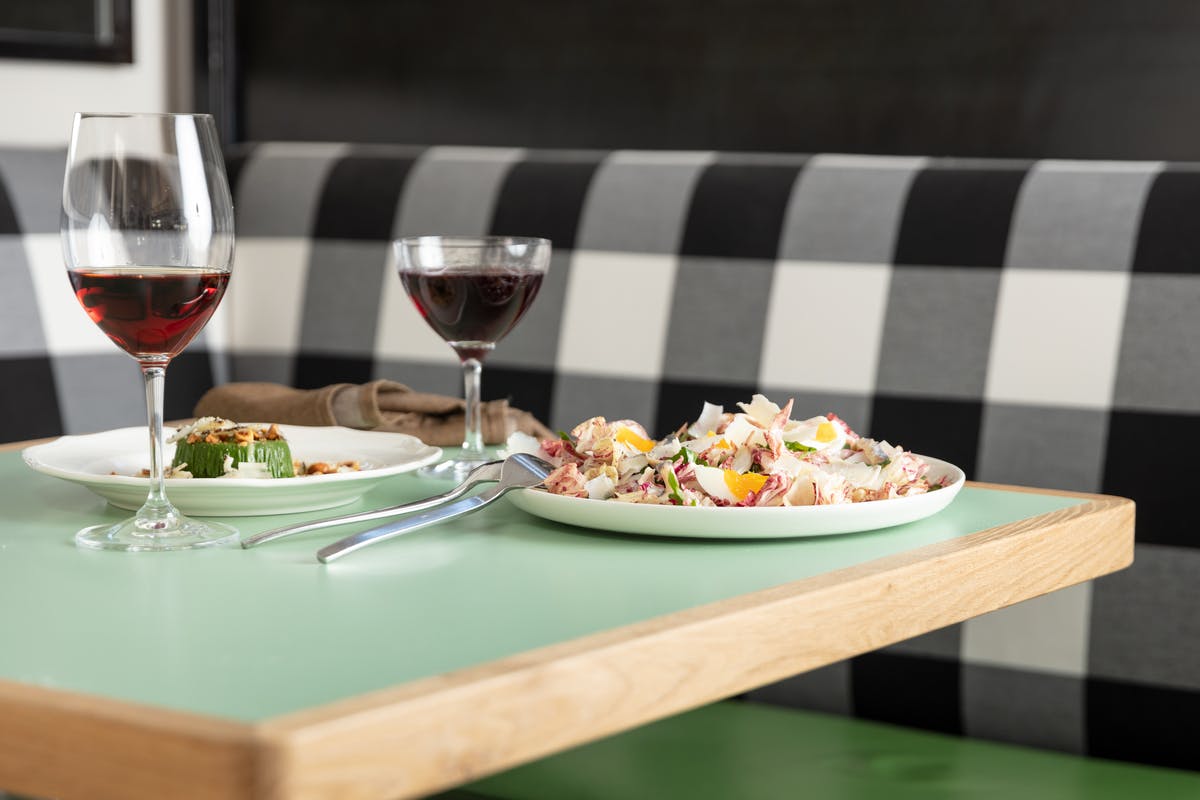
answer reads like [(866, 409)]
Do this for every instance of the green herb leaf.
[(673, 485), (685, 455), (796, 447)]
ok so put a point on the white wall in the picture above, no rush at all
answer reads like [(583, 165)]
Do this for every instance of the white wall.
[(38, 97)]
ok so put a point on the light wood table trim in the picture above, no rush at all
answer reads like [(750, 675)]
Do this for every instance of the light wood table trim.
[(6, 447), (10, 446), (69, 745), (439, 732)]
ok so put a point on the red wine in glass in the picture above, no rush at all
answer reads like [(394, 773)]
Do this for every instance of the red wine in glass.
[(149, 313), (471, 310), (147, 234), (472, 290)]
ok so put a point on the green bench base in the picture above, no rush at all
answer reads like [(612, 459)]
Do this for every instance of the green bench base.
[(747, 751)]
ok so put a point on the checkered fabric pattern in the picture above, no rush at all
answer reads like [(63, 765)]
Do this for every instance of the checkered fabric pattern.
[(59, 373), (1029, 321)]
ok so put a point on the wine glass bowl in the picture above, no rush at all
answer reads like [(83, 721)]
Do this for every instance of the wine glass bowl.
[(147, 237), (150, 313), (472, 291)]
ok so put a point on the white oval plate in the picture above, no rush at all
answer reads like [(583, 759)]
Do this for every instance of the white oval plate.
[(90, 461), (775, 522)]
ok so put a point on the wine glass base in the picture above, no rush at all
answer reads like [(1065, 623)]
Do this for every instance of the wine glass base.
[(452, 469), (184, 534)]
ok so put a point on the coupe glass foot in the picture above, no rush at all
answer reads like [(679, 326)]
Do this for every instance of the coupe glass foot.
[(134, 535)]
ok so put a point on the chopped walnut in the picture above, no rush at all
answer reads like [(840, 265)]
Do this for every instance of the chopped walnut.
[(241, 435), (325, 468)]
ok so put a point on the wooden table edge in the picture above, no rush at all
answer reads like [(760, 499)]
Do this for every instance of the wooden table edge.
[(6, 447), (10, 446), (441, 731), (69, 744)]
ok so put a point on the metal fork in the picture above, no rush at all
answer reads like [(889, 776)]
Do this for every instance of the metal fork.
[(519, 471), (487, 472)]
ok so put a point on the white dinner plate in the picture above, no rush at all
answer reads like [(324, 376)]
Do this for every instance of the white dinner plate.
[(107, 462), (774, 522)]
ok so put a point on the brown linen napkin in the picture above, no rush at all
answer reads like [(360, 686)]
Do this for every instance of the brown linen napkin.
[(379, 405)]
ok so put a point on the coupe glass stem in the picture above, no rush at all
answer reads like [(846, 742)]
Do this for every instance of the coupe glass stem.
[(472, 446), (157, 512)]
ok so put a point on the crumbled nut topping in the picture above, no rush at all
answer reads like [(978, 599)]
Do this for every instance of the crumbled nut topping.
[(242, 434), (325, 468)]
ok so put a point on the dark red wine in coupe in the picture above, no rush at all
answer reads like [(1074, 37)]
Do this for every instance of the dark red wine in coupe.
[(471, 310), (150, 313)]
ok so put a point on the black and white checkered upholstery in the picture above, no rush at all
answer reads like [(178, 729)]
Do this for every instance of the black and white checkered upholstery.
[(59, 373), (1029, 321)]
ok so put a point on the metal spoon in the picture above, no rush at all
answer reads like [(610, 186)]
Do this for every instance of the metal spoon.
[(519, 471), (487, 472)]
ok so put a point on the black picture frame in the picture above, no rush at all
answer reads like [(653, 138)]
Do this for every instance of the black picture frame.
[(110, 42)]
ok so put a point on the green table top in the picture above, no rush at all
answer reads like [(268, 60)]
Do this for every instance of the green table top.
[(251, 634)]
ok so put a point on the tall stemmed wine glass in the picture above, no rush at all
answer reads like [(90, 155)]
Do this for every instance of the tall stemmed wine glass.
[(472, 291), (147, 236)]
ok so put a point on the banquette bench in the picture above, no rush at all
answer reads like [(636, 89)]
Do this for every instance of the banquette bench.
[(1032, 322)]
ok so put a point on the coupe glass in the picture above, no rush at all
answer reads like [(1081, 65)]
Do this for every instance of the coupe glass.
[(472, 291), (147, 237)]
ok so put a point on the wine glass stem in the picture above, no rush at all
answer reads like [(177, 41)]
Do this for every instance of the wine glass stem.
[(472, 446), (157, 506)]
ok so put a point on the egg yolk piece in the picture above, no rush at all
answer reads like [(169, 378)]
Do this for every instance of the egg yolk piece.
[(826, 432), (741, 484), (629, 437)]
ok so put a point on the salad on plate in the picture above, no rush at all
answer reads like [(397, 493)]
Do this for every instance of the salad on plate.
[(755, 457)]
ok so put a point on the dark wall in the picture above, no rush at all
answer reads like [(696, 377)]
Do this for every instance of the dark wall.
[(1061, 78)]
